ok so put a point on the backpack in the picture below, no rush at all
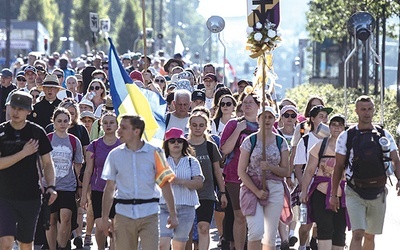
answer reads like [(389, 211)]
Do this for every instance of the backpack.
[(367, 165), (253, 141), (322, 151)]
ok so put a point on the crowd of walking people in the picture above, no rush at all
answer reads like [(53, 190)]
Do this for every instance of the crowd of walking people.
[(259, 169)]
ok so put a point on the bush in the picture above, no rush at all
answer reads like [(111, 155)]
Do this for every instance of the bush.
[(334, 97)]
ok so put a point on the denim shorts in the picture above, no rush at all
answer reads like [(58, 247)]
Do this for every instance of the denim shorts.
[(185, 217)]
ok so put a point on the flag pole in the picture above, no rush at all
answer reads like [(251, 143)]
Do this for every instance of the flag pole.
[(262, 127), (144, 34)]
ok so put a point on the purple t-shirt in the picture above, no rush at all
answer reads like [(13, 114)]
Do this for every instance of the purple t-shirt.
[(100, 152), (232, 159)]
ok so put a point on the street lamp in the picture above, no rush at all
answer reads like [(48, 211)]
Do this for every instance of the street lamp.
[(215, 24), (361, 25)]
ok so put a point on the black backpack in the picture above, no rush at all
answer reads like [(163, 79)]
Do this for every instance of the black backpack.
[(369, 171)]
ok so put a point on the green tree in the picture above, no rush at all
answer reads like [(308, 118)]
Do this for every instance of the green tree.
[(334, 97), (127, 26), (327, 19), (46, 12), (80, 24)]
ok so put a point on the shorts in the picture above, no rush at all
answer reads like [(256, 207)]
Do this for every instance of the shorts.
[(205, 211), (367, 215), (234, 189), (185, 217), (97, 199), (65, 199), (18, 218)]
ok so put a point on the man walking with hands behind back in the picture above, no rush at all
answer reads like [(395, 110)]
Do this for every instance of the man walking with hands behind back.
[(20, 140), (365, 190), (133, 169)]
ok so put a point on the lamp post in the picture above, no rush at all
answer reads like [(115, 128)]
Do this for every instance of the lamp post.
[(361, 25), (215, 24)]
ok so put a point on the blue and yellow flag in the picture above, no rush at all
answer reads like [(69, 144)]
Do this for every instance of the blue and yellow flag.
[(127, 97)]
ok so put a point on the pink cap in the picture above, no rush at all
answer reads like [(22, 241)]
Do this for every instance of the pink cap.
[(174, 133)]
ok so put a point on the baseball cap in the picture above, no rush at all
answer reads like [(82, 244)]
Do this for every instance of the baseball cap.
[(6, 72), (337, 118), (288, 108), (198, 95), (210, 76), (88, 114), (316, 109), (267, 109), (21, 99), (30, 68)]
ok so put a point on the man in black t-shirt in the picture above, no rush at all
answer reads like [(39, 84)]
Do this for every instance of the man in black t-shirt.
[(21, 143)]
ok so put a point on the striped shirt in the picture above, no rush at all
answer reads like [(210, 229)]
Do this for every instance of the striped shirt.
[(185, 170)]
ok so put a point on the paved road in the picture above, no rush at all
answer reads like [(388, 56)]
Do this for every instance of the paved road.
[(388, 240)]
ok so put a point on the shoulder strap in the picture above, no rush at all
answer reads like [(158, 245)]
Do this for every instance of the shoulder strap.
[(280, 132), (305, 140), (253, 141), (279, 140), (167, 118), (50, 136), (216, 122), (302, 129), (322, 150), (210, 150), (351, 132), (72, 140)]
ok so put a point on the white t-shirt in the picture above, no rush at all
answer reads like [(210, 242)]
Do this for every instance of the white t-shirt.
[(301, 156), (181, 123), (214, 130), (341, 148), (209, 103)]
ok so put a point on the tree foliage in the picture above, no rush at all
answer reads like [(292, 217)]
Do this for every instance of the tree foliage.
[(334, 97), (327, 18), (80, 20), (127, 26), (13, 11), (46, 12)]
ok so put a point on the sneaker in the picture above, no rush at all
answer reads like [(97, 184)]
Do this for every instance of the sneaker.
[(285, 245), (88, 240), (78, 242), (313, 243), (293, 240)]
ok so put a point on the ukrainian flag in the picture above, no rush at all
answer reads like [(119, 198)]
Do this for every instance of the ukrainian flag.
[(127, 97)]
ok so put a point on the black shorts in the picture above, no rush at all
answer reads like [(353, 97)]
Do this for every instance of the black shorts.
[(65, 199), (205, 211), (97, 198), (18, 218)]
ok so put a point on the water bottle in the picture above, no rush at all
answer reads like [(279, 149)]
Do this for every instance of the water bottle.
[(303, 214), (91, 95), (385, 144)]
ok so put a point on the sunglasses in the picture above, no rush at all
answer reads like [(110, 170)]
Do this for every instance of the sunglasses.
[(286, 115), (95, 88), (159, 80), (228, 104), (59, 76), (35, 96), (106, 68), (179, 140), (21, 79)]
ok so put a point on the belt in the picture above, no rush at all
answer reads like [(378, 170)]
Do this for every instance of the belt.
[(136, 201)]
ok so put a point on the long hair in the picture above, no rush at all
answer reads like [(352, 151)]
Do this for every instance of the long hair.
[(186, 149), (218, 114)]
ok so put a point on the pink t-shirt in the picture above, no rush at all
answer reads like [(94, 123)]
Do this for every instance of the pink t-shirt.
[(232, 159)]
